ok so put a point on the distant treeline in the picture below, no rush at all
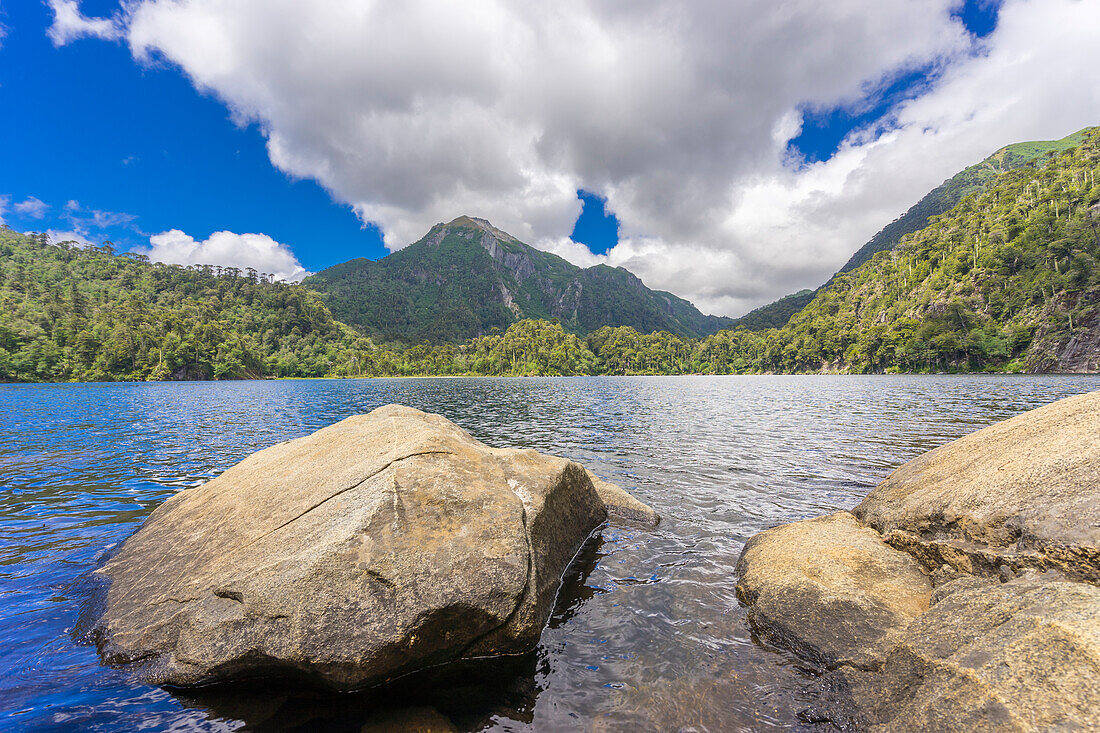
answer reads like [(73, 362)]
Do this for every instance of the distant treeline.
[(1001, 282), (69, 313)]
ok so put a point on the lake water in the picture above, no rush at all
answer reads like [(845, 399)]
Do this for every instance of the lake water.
[(647, 634)]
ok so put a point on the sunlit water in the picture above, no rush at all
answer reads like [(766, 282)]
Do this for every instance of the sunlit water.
[(648, 633)]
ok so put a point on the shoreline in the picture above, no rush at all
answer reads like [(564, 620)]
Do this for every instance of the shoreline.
[(845, 375)]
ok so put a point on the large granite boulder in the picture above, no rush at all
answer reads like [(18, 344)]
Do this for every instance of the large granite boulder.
[(1018, 656), (830, 590), (381, 545), (1005, 523), (1024, 493)]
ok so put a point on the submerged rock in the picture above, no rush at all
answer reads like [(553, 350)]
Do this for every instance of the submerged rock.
[(409, 720), (622, 505), (830, 590), (1024, 493), (381, 545)]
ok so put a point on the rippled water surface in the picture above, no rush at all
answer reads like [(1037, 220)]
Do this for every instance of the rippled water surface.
[(648, 633)]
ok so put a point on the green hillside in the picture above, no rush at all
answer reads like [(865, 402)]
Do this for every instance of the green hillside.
[(1008, 280), (970, 180), (468, 278), (1008, 277), (88, 314), (937, 201), (775, 315)]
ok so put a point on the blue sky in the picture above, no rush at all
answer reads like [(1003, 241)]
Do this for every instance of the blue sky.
[(139, 141), (823, 130), (728, 151), (94, 127), (88, 130)]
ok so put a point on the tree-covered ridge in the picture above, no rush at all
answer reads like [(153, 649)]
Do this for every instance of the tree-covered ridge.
[(971, 179), (87, 314), (1010, 274), (776, 314), (939, 200), (468, 278)]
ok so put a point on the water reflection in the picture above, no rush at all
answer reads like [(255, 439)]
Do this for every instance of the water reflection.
[(469, 696), (647, 632)]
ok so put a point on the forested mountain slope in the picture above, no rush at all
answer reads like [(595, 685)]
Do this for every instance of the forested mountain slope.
[(939, 200), (1007, 280), (75, 313), (774, 315), (468, 278), (972, 179), (1009, 273)]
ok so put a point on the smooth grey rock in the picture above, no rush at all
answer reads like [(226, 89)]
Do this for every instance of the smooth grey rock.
[(1016, 656), (830, 590), (1020, 494), (381, 545)]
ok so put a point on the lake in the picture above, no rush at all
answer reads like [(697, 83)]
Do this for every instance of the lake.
[(647, 633)]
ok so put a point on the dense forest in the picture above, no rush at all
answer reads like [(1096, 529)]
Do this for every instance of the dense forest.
[(941, 199), (88, 314), (1003, 282), (972, 179)]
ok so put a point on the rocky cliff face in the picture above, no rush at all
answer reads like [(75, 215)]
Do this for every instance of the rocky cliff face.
[(1075, 353)]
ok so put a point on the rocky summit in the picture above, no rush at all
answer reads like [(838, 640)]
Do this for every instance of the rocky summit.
[(382, 545), (961, 594)]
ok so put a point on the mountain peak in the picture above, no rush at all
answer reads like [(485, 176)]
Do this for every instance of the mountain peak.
[(463, 226), (469, 221), (444, 288)]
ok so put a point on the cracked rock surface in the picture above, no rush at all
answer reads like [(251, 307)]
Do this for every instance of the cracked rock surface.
[(963, 593), (378, 546), (1017, 656), (1023, 493)]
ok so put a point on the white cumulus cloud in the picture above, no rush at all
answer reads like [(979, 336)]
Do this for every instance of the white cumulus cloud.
[(227, 249), (69, 24), (31, 207), (678, 113)]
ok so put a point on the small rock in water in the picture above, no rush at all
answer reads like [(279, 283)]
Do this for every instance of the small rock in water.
[(622, 505)]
